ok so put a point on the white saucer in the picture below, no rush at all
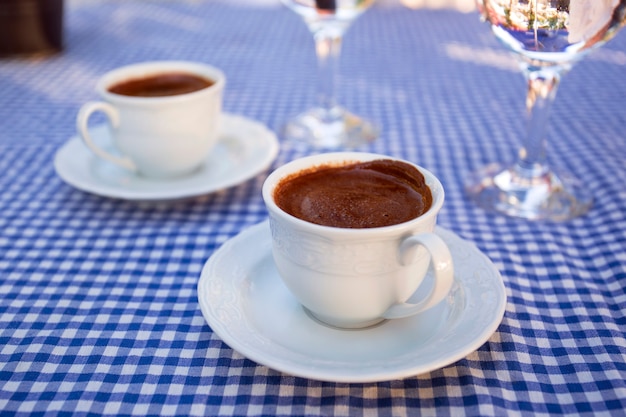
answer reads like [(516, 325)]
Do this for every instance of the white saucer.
[(245, 149), (246, 304)]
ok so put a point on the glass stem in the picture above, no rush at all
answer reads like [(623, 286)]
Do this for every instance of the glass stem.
[(328, 48), (542, 88)]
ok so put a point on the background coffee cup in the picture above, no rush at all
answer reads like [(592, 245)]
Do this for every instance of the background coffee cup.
[(158, 137), (354, 278)]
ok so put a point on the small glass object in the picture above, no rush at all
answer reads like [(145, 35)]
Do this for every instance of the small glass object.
[(548, 37), (329, 125)]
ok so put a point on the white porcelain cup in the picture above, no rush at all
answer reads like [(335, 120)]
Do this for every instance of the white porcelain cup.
[(157, 137), (355, 278)]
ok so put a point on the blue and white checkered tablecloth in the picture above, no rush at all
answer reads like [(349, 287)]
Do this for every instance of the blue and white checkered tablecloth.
[(98, 305)]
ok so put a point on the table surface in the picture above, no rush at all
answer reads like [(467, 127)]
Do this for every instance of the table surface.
[(99, 312)]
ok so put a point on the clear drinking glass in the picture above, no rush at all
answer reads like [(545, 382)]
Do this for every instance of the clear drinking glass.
[(548, 37), (329, 125)]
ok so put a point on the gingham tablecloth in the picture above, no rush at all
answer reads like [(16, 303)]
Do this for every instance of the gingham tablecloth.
[(98, 306)]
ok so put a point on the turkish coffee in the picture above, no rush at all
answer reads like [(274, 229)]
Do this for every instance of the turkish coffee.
[(355, 195), (161, 85)]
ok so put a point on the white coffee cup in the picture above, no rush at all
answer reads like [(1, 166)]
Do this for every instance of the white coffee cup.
[(355, 278), (159, 137)]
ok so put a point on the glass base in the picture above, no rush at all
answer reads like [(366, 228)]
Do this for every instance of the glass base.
[(334, 128), (509, 191)]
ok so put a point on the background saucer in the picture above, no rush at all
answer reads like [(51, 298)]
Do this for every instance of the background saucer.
[(246, 304), (245, 149)]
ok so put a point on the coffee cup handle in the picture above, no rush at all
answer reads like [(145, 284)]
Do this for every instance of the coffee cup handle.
[(441, 262), (83, 131)]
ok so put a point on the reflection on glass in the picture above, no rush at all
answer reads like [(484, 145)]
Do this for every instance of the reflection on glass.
[(548, 37)]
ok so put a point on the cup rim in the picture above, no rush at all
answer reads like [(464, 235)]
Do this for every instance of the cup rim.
[(147, 68), (306, 162)]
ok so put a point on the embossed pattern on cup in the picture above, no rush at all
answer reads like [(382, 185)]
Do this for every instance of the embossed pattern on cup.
[(333, 257)]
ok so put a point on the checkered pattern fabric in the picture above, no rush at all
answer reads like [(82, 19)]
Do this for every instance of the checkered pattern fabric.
[(98, 305)]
